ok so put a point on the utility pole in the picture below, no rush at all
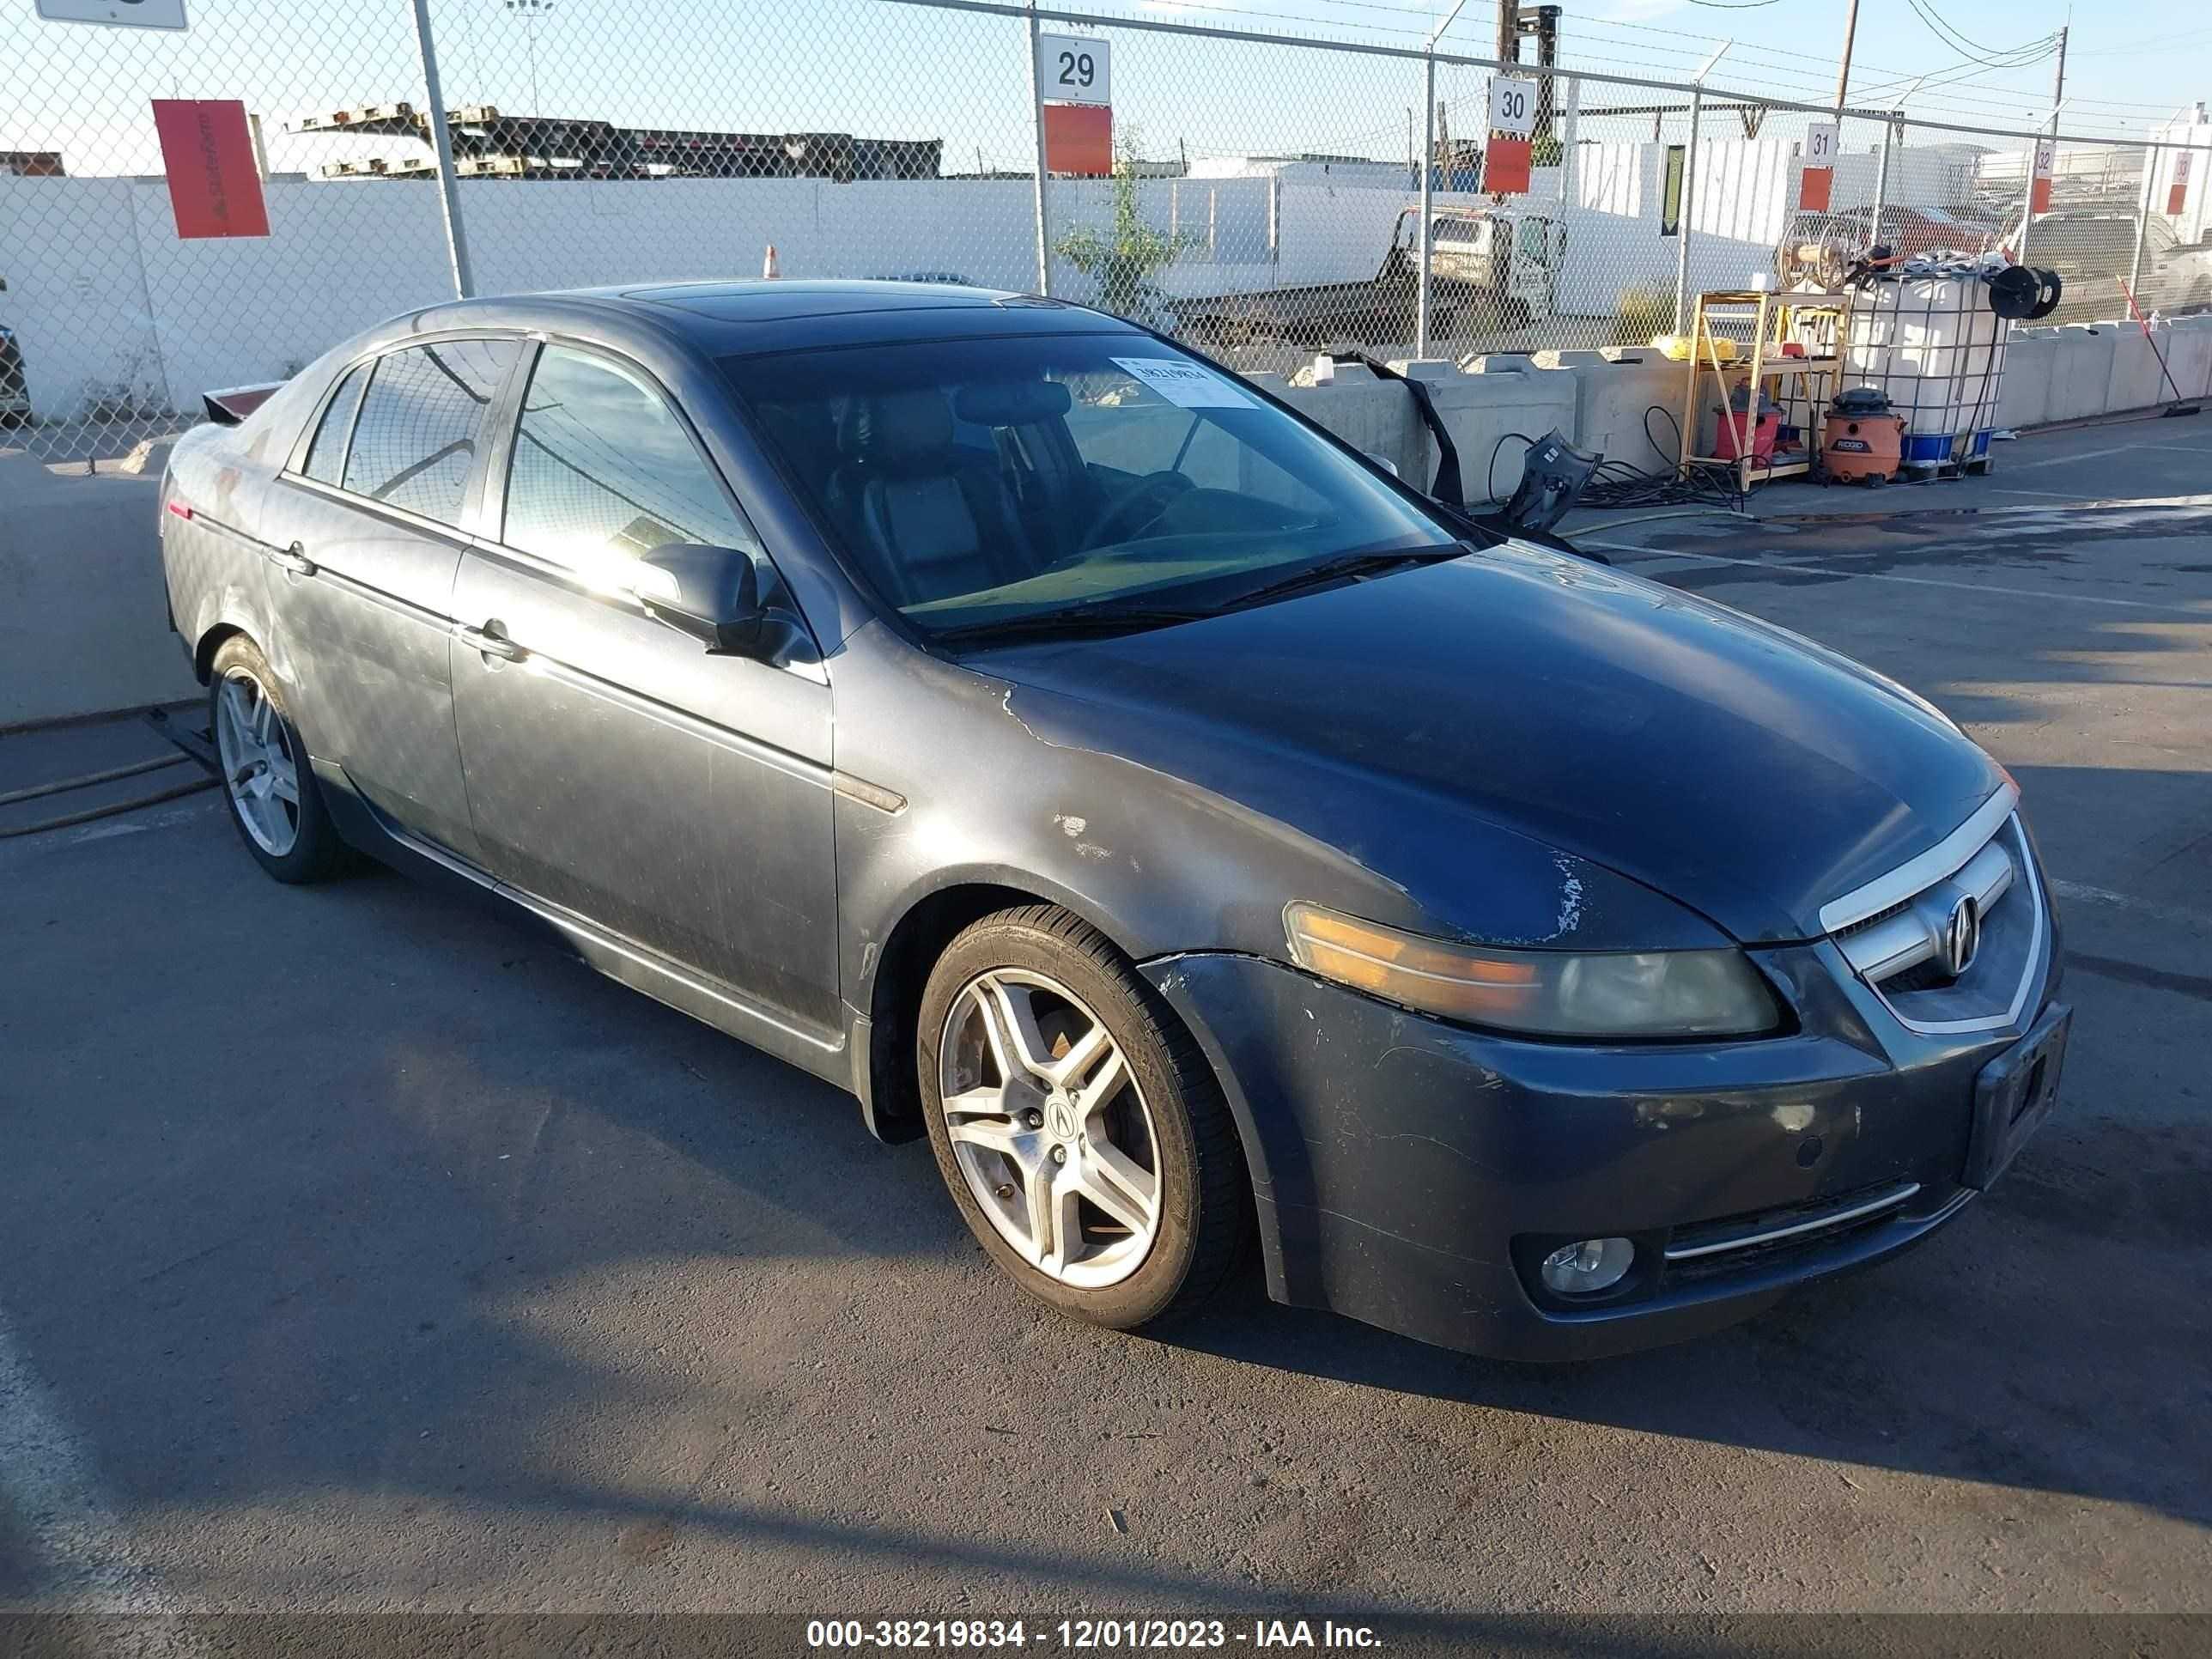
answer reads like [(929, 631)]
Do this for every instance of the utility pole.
[(1843, 68), (1423, 241), (1509, 31), (2057, 102)]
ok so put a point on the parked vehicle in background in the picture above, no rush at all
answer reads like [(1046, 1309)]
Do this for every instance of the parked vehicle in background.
[(14, 384), (1095, 766), (1493, 271)]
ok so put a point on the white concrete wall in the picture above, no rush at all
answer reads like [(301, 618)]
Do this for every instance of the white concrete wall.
[(108, 302)]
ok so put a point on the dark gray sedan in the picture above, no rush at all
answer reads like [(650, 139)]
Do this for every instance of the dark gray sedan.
[(1199, 834)]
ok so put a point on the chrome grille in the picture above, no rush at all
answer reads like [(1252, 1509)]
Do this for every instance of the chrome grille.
[(1892, 932)]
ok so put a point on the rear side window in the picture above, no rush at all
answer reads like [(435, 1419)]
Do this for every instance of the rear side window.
[(421, 422), (603, 471), (326, 455)]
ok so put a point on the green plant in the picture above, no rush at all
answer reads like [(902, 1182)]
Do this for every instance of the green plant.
[(1643, 313), (1122, 260)]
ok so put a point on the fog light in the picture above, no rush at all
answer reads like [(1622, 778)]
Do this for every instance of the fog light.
[(1595, 1264)]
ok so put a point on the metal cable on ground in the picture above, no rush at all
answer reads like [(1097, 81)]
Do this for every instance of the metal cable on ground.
[(92, 812), (90, 778), (190, 746), (1617, 483)]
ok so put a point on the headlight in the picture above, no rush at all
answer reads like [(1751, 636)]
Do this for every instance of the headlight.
[(1661, 993)]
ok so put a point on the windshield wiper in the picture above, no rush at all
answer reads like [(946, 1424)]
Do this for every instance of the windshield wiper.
[(1069, 624), (1346, 566)]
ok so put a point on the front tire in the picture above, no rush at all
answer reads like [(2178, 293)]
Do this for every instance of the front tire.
[(1080, 1131), (270, 789)]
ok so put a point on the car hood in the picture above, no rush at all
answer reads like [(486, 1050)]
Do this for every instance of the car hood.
[(1731, 765)]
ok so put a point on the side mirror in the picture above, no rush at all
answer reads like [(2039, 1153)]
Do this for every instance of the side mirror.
[(1382, 461), (708, 592)]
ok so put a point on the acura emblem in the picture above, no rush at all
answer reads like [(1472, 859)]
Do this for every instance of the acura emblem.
[(1962, 936)]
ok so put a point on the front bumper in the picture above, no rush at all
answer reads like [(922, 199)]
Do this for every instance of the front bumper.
[(1410, 1174)]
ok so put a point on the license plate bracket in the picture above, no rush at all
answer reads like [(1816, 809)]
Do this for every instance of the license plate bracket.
[(2013, 1093)]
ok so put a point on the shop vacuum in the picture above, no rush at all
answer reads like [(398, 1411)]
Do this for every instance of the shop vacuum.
[(1861, 441)]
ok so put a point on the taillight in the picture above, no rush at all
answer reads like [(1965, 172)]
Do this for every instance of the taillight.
[(182, 509)]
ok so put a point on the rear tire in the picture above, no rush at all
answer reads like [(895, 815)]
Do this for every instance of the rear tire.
[(267, 783), (1086, 1142)]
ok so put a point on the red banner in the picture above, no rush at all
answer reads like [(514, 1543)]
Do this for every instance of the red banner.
[(1813, 187), (1079, 140), (1505, 166), (2177, 199), (2039, 197), (215, 185)]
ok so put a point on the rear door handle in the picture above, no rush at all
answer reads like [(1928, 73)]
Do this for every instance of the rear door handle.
[(491, 640), (294, 560)]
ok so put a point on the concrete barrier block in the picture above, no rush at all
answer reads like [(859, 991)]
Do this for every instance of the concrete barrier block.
[(1480, 410), (1613, 401), (2137, 381), (1377, 417), (2188, 346), (2031, 356), (2082, 377), (84, 622)]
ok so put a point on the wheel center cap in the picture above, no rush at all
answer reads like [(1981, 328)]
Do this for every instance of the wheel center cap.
[(1060, 1119)]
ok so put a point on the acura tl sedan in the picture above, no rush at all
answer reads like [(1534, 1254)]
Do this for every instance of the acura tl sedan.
[(1199, 834)]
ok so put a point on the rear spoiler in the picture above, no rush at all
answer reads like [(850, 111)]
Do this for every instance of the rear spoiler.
[(234, 404)]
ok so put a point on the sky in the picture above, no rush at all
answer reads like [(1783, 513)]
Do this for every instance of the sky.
[(883, 68)]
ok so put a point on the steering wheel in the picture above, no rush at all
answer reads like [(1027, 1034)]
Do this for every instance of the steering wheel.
[(1136, 508)]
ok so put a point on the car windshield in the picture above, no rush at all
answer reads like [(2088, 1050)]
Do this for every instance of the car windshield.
[(985, 485)]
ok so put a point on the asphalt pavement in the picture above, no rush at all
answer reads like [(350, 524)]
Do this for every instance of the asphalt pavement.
[(361, 1252)]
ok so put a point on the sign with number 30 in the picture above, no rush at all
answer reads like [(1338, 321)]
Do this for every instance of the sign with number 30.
[(1512, 105)]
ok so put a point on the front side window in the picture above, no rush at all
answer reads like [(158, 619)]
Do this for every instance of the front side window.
[(421, 420), (603, 471), (326, 455), (989, 481), (1536, 241)]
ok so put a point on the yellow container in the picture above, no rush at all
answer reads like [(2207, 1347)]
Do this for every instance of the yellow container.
[(1679, 347)]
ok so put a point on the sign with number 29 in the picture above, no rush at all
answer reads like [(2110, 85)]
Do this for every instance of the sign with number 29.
[(1074, 69)]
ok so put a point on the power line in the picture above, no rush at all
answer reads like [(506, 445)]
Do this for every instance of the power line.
[(2009, 57)]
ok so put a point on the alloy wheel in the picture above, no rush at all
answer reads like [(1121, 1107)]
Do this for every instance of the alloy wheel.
[(1049, 1128), (258, 766)]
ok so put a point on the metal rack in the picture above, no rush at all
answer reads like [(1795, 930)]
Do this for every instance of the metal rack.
[(1818, 323)]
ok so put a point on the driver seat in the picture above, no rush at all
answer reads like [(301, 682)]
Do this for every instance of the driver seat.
[(930, 521)]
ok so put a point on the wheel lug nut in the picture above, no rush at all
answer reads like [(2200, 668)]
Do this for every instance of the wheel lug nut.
[(1034, 1118), (1005, 1190), (1060, 1154)]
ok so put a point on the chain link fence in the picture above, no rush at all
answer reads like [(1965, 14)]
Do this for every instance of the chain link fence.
[(1263, 196)]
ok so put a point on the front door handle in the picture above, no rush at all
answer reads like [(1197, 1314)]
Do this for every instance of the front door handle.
[(294, 560), (491, 640)]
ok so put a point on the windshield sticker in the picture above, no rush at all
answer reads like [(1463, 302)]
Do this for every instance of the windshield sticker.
[(1190, 385)]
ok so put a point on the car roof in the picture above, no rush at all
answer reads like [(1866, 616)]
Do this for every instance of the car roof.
[(733, 317)]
